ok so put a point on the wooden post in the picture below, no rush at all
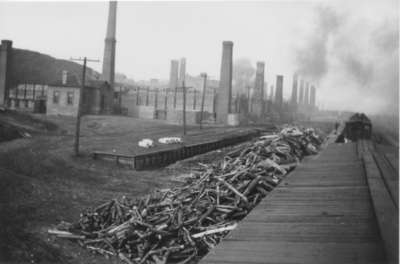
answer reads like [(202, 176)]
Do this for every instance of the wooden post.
[(203, 95), (137, 95), (194, 99), (78, 115), (120, 99)]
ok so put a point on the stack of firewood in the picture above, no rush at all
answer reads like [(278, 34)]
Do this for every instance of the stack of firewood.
[(183, 224)]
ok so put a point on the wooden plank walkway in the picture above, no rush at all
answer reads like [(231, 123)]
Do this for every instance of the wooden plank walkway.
[(321, 213)]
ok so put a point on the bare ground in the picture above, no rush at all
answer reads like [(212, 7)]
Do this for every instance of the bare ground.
[(42, 183)]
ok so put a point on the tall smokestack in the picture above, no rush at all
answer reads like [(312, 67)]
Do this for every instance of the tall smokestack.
[(5, 56), (301, 95), (259, 81), (279, 90), (271, 93), (225, 83), (173, 74), (294, 90), (307, 94), (108, 73), (182, 72), (312, 96)]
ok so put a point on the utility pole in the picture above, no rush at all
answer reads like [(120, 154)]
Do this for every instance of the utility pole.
[(79, 112), (184, 107), (203, 94), (183, 87), (120, 100)]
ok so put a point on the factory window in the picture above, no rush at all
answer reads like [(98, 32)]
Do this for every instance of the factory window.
[(70, 98), (56, 97)]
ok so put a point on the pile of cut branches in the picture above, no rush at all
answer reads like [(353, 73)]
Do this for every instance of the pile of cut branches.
[(182, 224)]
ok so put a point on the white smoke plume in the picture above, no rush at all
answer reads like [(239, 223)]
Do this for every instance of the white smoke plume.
[(243, 75), (352, 56)]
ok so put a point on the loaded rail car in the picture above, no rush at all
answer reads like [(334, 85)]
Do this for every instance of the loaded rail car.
[(358, 127)]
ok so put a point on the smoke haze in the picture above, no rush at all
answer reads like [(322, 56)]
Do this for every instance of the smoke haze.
[(353, 56), (243, 74)]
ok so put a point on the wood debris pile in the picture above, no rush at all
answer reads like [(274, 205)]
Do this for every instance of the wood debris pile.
[(181, 225)]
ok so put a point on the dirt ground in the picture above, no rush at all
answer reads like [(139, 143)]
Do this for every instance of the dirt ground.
[(42, 183)]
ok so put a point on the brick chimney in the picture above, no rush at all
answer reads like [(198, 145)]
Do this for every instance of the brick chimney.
[(279, 90), (294, 90), (258, 96), (301, 94), (225, 83), (307, 94), (5, 59), (259, 81), (64, 77), (312, 96), (108, 73), (173, 74), (182, 71)]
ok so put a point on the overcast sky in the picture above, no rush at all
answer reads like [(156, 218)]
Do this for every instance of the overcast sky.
[(150, 34)]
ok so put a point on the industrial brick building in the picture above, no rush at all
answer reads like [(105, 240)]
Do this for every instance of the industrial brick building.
[(51, 87)]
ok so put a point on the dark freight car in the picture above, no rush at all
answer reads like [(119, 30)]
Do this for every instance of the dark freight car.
[(358, 127)]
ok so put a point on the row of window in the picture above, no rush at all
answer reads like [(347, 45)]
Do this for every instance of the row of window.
[(70, 97)]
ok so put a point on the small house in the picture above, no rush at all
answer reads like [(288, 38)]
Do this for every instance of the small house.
[(63, 97)]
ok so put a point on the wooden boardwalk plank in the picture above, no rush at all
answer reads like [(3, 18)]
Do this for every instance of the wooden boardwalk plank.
[(320, 213), (294, 252), (384, 207)]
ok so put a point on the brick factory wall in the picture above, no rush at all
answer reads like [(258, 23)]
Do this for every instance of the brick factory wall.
[(24, 96), (144, 97)]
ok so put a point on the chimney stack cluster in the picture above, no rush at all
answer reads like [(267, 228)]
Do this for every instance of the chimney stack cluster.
[(306, 96), (177, 73)]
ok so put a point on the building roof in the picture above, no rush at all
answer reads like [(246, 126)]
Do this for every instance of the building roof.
[(74, 82)]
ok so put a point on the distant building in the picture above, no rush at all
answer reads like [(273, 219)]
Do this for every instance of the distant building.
[(196, 82), (35, 82), (28, 97)]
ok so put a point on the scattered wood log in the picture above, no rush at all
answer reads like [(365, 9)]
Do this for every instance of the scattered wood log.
[(182, 224)]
